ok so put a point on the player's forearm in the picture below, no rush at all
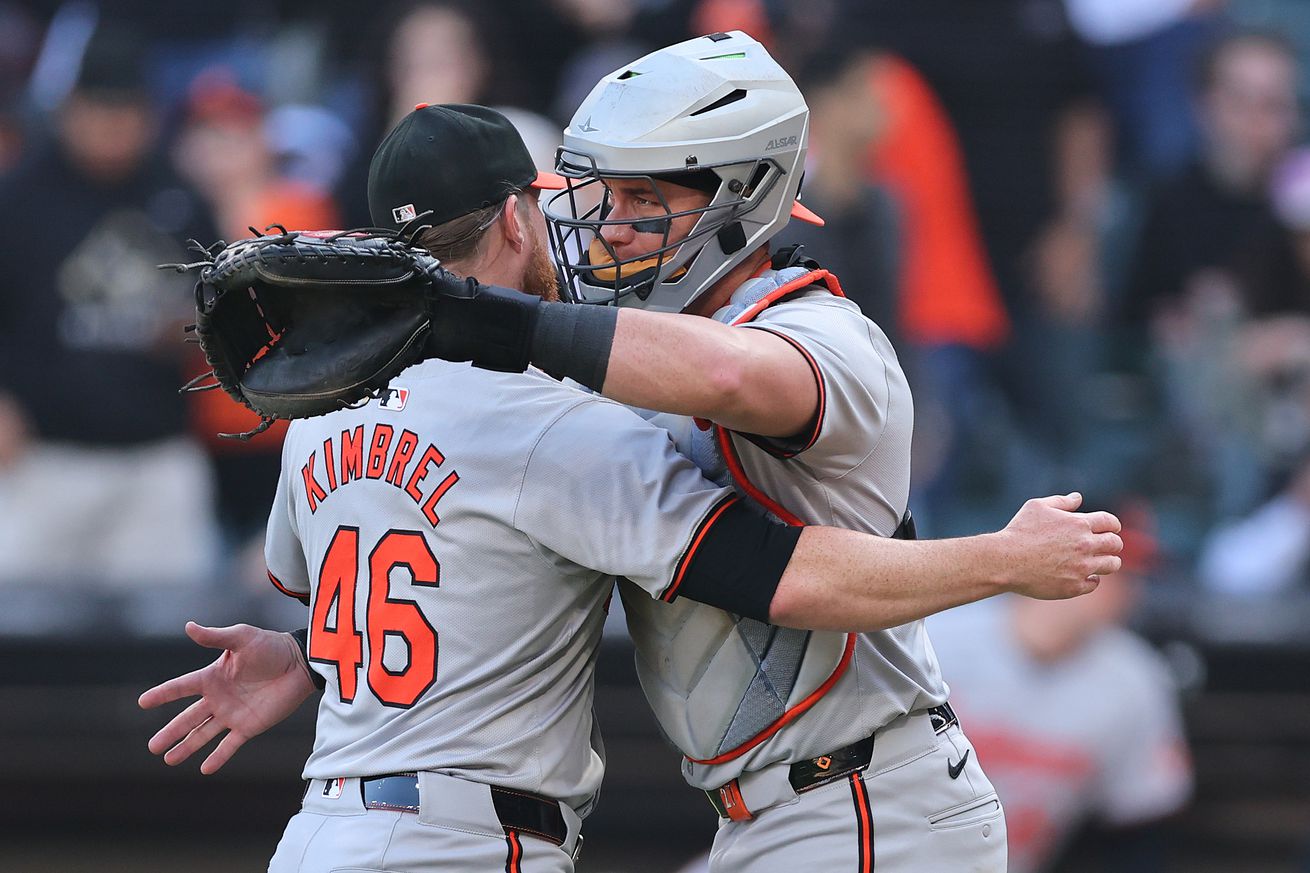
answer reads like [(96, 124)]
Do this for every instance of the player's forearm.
[(843, 580), (748, 381)]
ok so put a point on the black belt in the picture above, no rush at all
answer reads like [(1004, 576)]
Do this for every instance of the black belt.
[(517, 810), (813, 772)]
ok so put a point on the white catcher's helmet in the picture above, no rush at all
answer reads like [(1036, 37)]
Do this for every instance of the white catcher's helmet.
[(716, 103)]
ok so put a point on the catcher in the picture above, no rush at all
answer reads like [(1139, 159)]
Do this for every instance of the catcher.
[(452, 734)]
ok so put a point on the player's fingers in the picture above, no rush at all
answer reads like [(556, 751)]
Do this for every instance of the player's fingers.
[(1107, 565), (181, 724), (187, 685), (230, 637), (1068, 502), (1107, 544), (194, 741), (1104, 522), (227, 747)]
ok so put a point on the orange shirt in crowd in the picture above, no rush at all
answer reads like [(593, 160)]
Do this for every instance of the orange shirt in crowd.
[(948, 294)]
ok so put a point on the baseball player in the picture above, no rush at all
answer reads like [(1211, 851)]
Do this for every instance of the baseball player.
[(456, 685), (822, 751)]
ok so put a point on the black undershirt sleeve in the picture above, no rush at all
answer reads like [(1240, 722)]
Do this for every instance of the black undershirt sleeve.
[(738, 562), (301, 637)]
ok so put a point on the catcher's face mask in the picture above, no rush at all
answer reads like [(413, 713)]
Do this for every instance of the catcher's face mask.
[(618, 237)]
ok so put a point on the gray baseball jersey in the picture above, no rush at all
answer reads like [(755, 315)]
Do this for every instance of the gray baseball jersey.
[(1095, 735), (456, 540), (735, 694)]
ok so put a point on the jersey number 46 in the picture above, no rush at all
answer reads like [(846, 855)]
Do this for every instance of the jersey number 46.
[(342, 645)]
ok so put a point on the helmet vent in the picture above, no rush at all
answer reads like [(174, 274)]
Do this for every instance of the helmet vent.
[(629, 74), (739, 94)]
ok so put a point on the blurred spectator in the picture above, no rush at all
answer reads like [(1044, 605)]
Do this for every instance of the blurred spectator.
[(223, 151), (886, 173), (1193, 286), (434, 51), (1143, 52), (1218, 207), (1266, 553), (19, 39), (603, 39), (1037, 155), (101, 481), (1075, 718)]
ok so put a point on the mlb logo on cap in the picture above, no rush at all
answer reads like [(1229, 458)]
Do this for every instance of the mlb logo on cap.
[(404, 213)]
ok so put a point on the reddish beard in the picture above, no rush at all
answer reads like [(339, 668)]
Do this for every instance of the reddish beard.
[(540, 278)]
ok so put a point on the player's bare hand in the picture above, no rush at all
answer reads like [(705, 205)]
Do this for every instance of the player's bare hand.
[(258, 680), (1056, 552)]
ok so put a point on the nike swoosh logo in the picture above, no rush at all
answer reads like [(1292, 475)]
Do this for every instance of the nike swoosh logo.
[(957, 768)]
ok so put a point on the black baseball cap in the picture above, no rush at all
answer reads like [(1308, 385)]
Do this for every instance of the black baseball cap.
[(451, 159)]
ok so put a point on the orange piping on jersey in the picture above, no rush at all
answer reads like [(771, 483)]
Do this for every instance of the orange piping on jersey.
[(303, 598), (790, 715), (738, 472), (672, 590), (823, 395)]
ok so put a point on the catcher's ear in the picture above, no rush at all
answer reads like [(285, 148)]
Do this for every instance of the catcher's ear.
[(516, 234)]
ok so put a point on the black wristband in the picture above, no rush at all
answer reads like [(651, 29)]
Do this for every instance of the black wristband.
[(573, 340), (739, 562), (486, 324), (301, 636)]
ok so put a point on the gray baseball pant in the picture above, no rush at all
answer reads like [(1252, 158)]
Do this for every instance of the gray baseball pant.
[(904, 813), (456, 830)]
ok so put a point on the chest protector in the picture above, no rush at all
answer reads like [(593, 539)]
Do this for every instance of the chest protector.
[(721, 684)]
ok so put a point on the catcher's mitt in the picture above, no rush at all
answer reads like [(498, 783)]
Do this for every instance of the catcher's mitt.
[(303, 323)]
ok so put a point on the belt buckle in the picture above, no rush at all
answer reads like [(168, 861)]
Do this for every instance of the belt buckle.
[(942, 717), (395, 792)]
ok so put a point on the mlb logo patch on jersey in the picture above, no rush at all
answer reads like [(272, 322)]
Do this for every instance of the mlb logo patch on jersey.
[(393, 398), (404, 213), (332, 790)]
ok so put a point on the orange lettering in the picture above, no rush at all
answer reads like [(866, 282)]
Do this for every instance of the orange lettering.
[(352, 454), (377, 452), (429, 505), (313, 491), (430, 456), (404, 451), (329, 466)]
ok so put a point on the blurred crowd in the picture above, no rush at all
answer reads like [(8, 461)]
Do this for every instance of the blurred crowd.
[(1085, 224)]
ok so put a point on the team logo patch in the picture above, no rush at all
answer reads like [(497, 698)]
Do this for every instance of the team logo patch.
[(404, 213), (393, 398), (332, 790)]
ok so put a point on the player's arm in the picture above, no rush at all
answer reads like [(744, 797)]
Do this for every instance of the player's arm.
[(824, 578), (260, 678), (638, 509), (749, 381)]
